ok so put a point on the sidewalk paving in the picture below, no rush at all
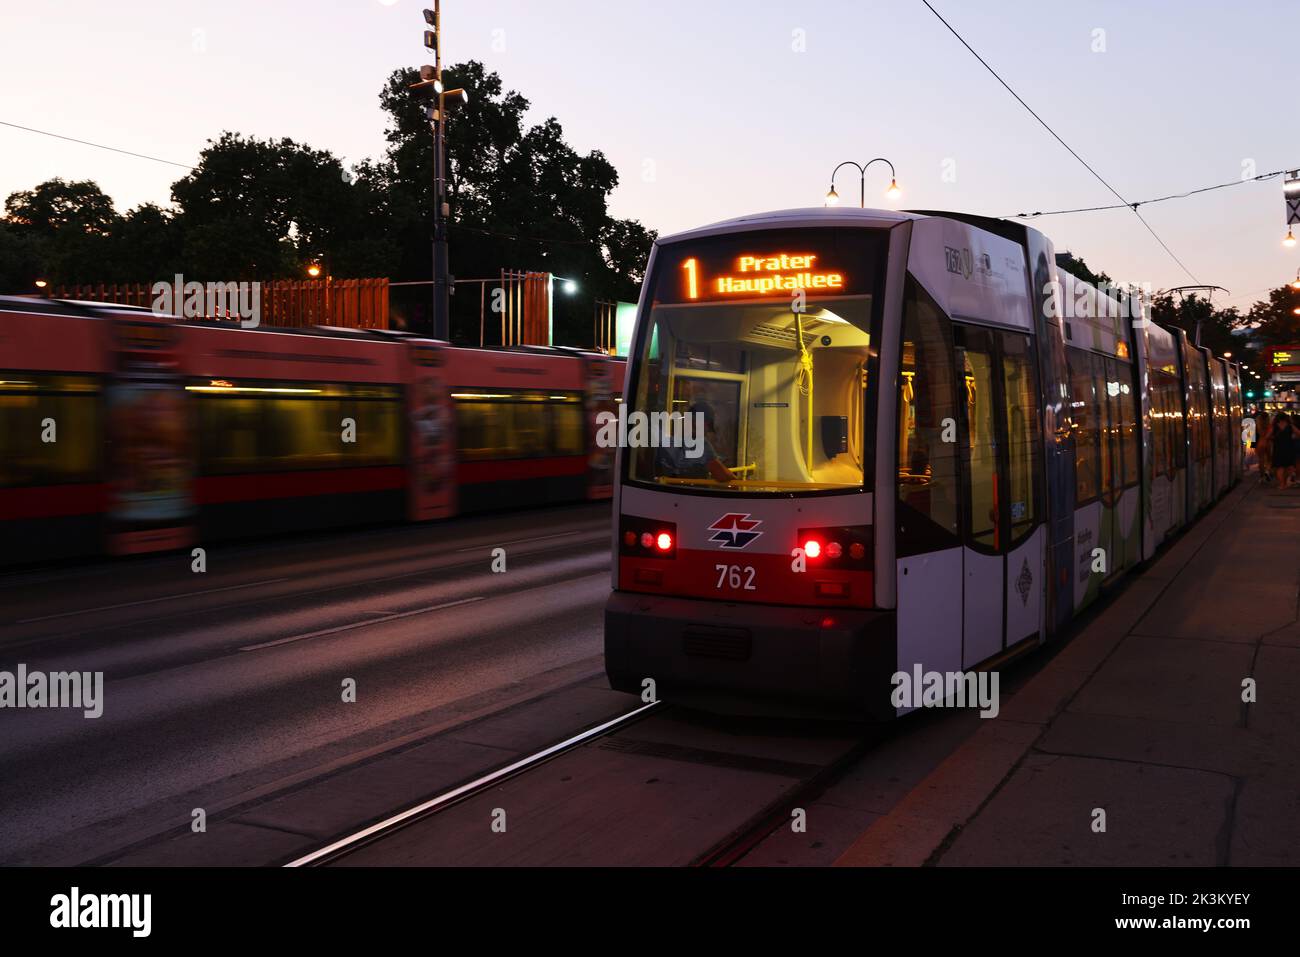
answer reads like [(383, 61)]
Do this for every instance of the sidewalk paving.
[(1141, 715)]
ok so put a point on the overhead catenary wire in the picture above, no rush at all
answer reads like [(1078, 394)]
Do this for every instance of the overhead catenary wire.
[(1159, 199), (98, 146), (1101, 179)]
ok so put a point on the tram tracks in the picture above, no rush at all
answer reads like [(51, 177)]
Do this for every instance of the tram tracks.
[(425, 809), (674, 739)]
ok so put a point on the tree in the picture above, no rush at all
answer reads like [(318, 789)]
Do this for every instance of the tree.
[(65, 227), (1197, 316), (1275, 322), (1076, 267), (521, 198), (259, 209), (252, 209)]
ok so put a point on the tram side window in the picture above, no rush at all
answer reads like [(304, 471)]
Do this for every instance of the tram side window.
[(1125, 417), (976, 360), (1199, 409), (1178, 424), (1162, 426), (27, 401), (927, 463), (248, 427), (518, 426), (1083, 408), (1106, 427), (567, 429), (1024, 432)]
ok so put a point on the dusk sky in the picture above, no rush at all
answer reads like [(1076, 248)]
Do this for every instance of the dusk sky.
[(708, 109)]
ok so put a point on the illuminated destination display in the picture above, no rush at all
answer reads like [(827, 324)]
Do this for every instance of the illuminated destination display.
[(1284, 359), (770, 265), (764, 274)]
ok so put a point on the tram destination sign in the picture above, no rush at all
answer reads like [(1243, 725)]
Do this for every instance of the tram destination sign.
[(1284, 359), (773, 265)]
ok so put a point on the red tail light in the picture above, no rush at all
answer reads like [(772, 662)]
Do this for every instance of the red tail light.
[(647, 538), (844, 548)]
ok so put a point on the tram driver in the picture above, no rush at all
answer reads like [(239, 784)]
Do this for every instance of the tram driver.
[(673, 461)]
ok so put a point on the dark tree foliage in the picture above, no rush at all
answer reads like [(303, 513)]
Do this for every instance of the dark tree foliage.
[(1079, 269), (521, 198)]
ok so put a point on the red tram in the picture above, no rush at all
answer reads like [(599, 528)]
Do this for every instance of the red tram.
[(125, 432)]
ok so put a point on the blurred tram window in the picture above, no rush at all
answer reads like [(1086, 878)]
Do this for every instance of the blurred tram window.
[(248, 426), (72, 402), (519, 425)]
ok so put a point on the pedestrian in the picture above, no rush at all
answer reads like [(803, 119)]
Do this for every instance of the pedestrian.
[(1284, 451), (1264, 446)]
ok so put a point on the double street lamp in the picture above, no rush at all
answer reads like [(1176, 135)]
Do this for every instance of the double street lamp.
[(833, 198)]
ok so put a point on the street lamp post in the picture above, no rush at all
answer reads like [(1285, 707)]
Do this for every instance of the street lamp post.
[(833, 198), (439, 103)]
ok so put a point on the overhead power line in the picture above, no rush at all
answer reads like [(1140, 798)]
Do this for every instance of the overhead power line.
[(1058, 139), (98, 146), (1158, 199)]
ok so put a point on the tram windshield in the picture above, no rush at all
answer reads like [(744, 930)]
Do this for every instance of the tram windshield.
[(757, 361)]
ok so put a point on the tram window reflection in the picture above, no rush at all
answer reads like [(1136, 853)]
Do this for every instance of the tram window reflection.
[(1024, 426), (927, 408), (1083, 410), (977, 365)]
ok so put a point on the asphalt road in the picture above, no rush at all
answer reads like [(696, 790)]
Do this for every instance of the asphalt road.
[(225, 684)]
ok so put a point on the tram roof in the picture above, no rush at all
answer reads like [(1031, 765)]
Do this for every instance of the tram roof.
[(795, 218)]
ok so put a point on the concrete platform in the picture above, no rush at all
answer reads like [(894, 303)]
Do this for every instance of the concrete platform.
[(1140, 719)]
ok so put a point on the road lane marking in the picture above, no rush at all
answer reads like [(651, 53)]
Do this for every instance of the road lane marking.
[(149, 601), (360, 624)]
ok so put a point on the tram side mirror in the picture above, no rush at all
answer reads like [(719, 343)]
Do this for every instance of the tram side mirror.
[(835, 435)]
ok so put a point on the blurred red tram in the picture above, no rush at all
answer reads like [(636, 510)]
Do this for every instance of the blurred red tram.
[(124, 432)]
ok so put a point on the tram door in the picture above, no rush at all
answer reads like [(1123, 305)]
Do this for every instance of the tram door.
[(1003, 539)]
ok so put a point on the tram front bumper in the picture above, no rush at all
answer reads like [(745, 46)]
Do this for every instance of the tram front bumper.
[(758, 659)]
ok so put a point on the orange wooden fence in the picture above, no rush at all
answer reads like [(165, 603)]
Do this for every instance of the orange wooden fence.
[(351, 303)]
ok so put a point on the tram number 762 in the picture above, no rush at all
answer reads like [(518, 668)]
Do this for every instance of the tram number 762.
[(736, 576)]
